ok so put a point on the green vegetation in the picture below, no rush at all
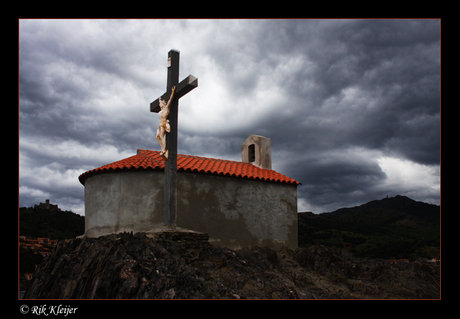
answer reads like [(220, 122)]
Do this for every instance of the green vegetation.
[(396, 227)]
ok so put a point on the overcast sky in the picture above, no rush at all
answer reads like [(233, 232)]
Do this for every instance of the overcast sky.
[(352, 107)]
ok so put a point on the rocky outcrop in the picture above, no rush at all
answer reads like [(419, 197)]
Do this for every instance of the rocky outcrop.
[(124, 266)]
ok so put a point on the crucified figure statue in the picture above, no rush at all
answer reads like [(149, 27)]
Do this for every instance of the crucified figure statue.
[(164, 124)]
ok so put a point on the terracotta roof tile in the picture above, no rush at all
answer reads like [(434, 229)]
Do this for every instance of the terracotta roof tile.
[(151, 160)]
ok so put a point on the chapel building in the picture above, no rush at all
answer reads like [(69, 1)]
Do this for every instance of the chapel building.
[(238, 204)]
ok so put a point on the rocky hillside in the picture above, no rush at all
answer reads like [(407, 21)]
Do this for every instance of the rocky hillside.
[(172, 266)]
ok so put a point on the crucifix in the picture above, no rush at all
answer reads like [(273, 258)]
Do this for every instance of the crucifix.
[(168, 127)]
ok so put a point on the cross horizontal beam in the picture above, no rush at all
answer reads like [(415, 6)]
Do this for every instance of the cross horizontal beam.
[(185, 86)]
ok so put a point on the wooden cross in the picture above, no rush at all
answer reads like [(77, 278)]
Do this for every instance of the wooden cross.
[(182, 88)]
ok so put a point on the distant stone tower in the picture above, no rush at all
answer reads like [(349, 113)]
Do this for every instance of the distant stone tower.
[(46, 205), (257, 150)]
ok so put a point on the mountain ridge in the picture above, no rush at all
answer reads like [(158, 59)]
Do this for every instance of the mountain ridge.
[(396, 227), (425, 211)]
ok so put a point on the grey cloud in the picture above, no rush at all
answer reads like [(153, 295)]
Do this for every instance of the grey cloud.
[(350, 182), (320, 89)]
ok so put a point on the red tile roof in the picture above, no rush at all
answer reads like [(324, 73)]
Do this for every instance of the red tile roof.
[(151, 160)]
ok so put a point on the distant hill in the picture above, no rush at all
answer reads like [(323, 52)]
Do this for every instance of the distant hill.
[(424, 211), (396, 227), (51, 222)]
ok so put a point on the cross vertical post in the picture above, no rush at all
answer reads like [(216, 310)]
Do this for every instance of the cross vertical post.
[(182, 88), (170, 193)]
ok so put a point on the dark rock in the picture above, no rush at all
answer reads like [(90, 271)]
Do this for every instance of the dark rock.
[(186, 266)]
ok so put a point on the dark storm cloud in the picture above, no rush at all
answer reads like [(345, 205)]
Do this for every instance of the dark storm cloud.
[(344, 101), (351, 175), (376, 86)]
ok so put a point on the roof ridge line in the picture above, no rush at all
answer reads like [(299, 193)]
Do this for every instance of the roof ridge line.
[(205, 157), (190, 163)]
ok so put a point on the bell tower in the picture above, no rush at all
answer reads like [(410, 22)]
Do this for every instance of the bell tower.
[(257, 150)]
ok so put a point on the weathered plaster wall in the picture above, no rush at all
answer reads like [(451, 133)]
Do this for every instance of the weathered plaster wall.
[(234, 212), (238, 212), (123, 201)]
